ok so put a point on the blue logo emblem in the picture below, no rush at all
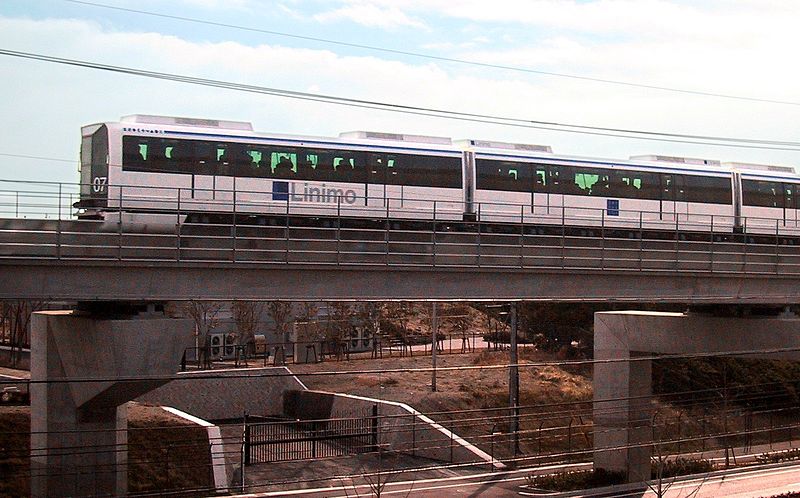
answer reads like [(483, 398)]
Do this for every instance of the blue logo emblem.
[(612, 207), (280, 191)]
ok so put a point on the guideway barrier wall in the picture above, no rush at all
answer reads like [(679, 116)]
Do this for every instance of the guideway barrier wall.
[(575, 238)]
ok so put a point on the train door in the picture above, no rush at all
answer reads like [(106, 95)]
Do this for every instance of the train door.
[(673, 206), (540, 197), (223, 183), (790, 201), (376, 180), (555, 188)]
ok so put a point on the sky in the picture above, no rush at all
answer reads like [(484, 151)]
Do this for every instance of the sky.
[(743, 48)]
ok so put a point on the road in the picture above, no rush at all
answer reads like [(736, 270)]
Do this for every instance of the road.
[(758, 482)]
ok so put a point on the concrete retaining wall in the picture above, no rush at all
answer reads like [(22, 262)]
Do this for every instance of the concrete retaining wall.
[(227, 394), (402, 429)]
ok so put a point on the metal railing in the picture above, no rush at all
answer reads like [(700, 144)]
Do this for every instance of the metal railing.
[(503, 236)]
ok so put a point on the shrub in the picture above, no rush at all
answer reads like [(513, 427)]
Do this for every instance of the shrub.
[(571, 481)]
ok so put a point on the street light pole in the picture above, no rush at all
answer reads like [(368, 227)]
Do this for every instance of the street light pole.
[(513, 381), (434, 327)]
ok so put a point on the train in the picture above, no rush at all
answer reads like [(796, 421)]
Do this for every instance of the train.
[(158, 171)]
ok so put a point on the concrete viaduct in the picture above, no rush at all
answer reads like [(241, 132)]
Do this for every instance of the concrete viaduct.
[(75, 261)]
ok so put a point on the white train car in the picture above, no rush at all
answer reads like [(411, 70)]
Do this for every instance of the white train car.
[(651, 191), (152, 172), (770, 199), (148, 168)]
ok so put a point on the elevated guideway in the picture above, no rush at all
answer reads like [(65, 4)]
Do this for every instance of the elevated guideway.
[(82, 260)]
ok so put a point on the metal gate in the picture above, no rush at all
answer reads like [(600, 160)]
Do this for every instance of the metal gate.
[(309, 439)]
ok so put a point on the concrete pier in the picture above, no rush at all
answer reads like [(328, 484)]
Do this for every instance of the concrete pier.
[(622, 383), (84, 369)]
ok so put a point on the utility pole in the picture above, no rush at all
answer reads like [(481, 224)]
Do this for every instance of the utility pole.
[(434, 346), (513, 380)]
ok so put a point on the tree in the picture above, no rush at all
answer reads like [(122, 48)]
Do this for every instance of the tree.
[(399, 315), (340, 325), (15, 318), (281, 314), (247, 315), (460, 321), (205, 315)]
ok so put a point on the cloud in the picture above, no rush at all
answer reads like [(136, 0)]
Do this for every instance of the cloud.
[(44, 105), (371, 15)]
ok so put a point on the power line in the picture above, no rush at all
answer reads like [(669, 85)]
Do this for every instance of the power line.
[(24, 156), (434, 57), (424, 111)]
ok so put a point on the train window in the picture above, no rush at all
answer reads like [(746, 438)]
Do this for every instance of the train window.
[(762, 193), (586, 181), (222, 158), (673, 187), (563, 181), (788, 196), (710, 190), (540, 179), (503, 175), (376, 167), (635, 185), (348, 168), (135, 151), (283, 164), (423, 171)]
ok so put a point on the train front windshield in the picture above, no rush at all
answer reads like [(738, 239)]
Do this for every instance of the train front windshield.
[(94, 166)]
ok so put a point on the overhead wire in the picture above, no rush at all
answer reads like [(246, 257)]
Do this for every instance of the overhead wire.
[(716, 141), (431, 57)]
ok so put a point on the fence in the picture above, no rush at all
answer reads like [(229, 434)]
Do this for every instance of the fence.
[(310, 439), (523, 238)]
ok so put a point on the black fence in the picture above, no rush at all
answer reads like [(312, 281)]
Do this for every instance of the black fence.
[(310, 439)]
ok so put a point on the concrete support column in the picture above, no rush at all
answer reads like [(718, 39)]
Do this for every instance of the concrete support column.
[(83, 370), (622, 417), (622, 384)]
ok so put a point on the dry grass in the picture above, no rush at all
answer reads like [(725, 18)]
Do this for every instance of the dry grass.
[(165, 452), (472, 389)]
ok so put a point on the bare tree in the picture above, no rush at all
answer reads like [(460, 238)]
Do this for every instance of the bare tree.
[(281, 314), (247, 314), (400, 314), (340, 325), (459, 319), (16, 318), (205, 315)]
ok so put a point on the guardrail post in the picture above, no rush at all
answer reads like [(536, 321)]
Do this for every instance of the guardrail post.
[(178, 228), (711, 250), (602, 239), (563, 236), (119, 226), (777, 247), (744, 234), (677, 241), (479, 221), (433, 234), (338, 229), (233, 228), (386, 232), (641, 242), (522, 236), (58, 225), (287, 230)]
